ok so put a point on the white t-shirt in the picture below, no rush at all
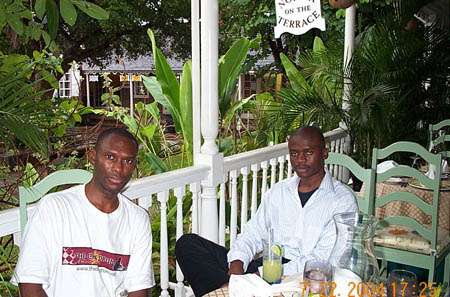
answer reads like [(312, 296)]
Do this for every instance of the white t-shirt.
[(74, 249)]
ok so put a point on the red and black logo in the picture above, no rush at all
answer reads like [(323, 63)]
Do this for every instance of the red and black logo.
[(99, 258)]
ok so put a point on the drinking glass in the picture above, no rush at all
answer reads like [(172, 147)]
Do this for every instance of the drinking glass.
[(272, 261), (401, 283), (317, 274)]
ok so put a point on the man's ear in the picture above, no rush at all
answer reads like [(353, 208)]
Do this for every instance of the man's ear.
[(92, 155), (325, 153)]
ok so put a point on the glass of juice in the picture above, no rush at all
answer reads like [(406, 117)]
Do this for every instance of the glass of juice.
[(272, 254), (317, 274)]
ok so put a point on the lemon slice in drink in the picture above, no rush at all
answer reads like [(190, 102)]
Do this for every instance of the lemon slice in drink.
[(276, 249)]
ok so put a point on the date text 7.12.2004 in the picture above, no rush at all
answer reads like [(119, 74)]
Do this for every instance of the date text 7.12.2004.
[(369, 289)]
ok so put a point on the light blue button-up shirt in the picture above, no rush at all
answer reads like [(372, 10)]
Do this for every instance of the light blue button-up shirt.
[(302, 232)]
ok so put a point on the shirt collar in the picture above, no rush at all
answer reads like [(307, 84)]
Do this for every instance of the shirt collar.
[(326, 184)]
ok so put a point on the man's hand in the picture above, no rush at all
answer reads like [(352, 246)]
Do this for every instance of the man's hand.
[(31, 290), (236, 267), (140, 293)]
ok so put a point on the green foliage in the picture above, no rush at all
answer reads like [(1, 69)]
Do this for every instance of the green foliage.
[(398, 78), (230, 66), (22, 107), (18, 15), (177, 98), (244, 18), (166, 90)]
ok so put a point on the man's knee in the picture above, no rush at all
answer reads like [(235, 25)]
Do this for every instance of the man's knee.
[(185, 243)]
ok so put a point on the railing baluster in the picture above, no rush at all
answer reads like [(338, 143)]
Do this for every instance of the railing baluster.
[(164, 247), (281, 160), (333, 167), (222, 213), (195, 189), (289, 171), (233, 219), (244, 209), (339, 168), (264, 166), (273, 173), (254, 203), (179, 192)]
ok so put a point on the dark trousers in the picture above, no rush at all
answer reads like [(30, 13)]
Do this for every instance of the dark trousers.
[(204, 263)]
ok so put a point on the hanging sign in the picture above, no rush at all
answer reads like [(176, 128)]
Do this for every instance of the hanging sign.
[(137, 77), (124, 77), (298, 16), (93, 77)]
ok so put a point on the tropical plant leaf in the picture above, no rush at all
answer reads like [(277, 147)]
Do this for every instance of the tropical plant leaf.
[(154, 87), (228, 118), (68, 12), (164, 74), (298, 82), (230, 66), (35, 31), (155, 163), (29, 135), (15, 23), (149, 131), (52, 18), (39, 8), (153, 109), (46, 37), (186, 103), (92, 10)]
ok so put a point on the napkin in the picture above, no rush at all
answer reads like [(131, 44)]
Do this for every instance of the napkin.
[(248, 285), (386, 165)]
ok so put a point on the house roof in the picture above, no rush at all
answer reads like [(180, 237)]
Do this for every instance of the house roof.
[(140, 65), (145, 65)]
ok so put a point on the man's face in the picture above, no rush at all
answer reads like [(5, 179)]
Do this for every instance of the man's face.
[(114, 160), (307, 155)]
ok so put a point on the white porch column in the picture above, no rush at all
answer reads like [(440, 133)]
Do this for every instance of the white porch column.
[(349, 45), (209, 152), (88, 98), (195, 39), (130, 79)]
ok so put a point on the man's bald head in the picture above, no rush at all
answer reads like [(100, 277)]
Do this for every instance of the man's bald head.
[(311, 132)]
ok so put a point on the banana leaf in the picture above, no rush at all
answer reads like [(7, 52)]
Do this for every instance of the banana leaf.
[(230, 66)]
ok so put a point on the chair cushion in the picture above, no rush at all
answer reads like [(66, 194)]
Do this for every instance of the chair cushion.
[(405, 238)]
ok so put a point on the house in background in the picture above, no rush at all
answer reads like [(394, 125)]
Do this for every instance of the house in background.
[(87, 82)]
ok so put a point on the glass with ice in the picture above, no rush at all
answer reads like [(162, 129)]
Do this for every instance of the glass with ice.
[(317, 274), (272, 260)]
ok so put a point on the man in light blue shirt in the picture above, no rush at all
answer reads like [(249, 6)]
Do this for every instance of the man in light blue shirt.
[(300, 209)]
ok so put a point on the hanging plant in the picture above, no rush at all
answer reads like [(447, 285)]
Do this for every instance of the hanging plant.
[(341, 3)]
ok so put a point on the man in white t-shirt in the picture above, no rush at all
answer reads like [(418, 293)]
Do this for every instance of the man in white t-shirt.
[(90, 240)]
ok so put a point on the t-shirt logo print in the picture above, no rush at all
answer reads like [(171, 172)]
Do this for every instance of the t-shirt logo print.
[(94, 257)]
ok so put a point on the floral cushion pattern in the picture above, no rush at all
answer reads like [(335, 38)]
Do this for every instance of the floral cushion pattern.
[(405, 238)]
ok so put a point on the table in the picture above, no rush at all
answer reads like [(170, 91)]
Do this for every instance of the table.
[(410, 210), (223, 292), (220, 292)]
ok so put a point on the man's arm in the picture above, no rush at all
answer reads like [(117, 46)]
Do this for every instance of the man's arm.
[(32, 290), (236, 267), (249, 242), (140, 293)]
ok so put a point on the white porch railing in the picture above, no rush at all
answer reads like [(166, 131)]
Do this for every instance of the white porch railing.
[(256, 168)]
